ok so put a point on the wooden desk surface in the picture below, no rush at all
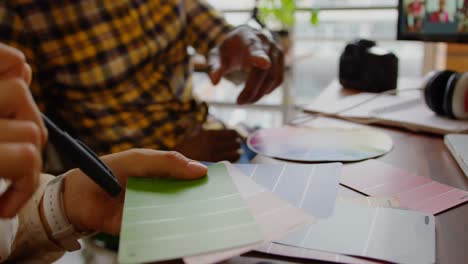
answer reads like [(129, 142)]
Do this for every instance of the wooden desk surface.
[(424, 155)]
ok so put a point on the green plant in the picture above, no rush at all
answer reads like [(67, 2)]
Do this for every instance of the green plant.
[(280, 14)]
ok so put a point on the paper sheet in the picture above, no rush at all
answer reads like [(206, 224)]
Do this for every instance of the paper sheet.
[(458, 146), (166, 218), (311, 187), (381, 233), (300, 252), (387, 202), (355, 106), (274, 216), (409, 111), (375, 178), (305, 253), (421, 118)]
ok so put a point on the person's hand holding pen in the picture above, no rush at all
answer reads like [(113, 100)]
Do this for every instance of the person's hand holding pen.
[(89, 207), (22, 136), (22, 132)]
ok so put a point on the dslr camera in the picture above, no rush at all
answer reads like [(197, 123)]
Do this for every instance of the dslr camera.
[(367, 67)]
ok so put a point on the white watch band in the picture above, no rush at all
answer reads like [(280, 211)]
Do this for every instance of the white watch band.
[(62, 231)]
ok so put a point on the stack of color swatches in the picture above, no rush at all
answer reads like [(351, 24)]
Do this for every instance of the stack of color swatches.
[(165, 219)]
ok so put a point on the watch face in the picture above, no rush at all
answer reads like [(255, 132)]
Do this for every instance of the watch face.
[(308, 144)]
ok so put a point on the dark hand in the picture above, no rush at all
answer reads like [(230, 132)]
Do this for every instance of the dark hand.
[(250, 51), (211, 145)]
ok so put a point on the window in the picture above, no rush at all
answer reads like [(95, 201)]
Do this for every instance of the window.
[(317, 50)]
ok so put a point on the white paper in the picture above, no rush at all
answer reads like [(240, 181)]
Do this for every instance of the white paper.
[(300, 252), (311, 187), (381, 233), (410, 112), (458, 146)]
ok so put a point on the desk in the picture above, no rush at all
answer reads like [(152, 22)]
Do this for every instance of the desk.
[(422, 154), (426, 155)]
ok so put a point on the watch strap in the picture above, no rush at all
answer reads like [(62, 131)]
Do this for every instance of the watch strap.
[(62, 230)]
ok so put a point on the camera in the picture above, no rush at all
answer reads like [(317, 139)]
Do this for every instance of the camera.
[(367, 67)]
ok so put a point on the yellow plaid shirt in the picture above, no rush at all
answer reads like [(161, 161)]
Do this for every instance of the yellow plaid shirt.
[(115, 73)]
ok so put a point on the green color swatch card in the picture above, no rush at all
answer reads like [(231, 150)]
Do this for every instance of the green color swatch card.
[(167, 218)]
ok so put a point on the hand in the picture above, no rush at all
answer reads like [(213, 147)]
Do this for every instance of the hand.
[(22, 132), (250, 51), (88, 207), (212, 145)]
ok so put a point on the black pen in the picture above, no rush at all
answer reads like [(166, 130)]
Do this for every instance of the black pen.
[(83, 157)]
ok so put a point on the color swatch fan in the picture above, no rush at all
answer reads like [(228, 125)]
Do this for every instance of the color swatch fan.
[(309, 144), (167, 219)]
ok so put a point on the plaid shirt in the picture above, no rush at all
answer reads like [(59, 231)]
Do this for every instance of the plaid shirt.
[(115, 73)]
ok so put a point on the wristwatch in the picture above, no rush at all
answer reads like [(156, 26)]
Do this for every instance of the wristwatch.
[(62, 231)]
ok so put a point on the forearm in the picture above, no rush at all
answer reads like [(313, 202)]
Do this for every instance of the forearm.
[(32, 240), (206, 27)]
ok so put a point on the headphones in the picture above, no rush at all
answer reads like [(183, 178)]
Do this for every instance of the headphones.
[(446, 93)]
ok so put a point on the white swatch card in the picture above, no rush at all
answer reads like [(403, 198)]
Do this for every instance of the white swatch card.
[(307, 253), (388, 234), (311, 187)]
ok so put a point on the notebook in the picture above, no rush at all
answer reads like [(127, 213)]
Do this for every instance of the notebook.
[(458, 146), (409, 112)]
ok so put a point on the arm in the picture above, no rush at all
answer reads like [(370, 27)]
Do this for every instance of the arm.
[(85, 204), (235, 49), (206, 27), (32, 240)]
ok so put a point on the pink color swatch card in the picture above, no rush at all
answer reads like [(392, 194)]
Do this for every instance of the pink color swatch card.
[(375, 178)]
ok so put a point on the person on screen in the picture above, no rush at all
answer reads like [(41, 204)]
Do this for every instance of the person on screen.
[(462, 15), (441, 15), (415, 15)]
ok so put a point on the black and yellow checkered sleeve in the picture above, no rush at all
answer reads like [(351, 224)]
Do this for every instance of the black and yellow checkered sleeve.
[(115, 73), (206, 27)]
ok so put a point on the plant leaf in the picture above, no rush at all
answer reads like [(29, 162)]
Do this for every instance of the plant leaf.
[(314, 18)]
